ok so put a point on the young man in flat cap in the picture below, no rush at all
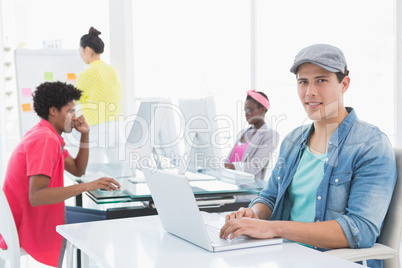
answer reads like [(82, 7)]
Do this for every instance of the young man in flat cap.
[(334, 179)]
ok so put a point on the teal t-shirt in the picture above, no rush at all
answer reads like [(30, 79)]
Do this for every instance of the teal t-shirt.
[(303, 188)]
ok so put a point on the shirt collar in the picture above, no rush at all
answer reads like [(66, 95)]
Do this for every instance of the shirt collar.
[(45, 123), (339, 134), (263, 126), (344, 128)]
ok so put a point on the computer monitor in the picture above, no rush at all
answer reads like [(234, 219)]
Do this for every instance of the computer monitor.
[(201, 134), (166, 138), (154, 133)]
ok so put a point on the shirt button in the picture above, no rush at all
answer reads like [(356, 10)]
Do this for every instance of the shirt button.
[(326, 159), (319, 197), (330, 142), (279, 178), (336, 180)]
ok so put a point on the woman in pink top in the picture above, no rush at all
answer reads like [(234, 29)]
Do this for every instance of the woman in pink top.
[(255, 144)]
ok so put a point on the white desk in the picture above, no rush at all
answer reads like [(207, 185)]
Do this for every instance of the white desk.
[(142, 242)]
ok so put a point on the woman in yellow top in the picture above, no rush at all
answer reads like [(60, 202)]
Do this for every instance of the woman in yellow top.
[(100, 100)]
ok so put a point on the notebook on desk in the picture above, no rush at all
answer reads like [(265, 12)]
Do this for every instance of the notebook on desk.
[(180, 216)]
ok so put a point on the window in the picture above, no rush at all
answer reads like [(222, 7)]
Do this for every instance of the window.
[(364, 30), (193, 49)]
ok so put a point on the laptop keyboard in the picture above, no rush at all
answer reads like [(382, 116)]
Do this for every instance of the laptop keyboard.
[(214, 237)]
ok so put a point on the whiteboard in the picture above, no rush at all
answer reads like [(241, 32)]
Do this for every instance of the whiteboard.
[(35, 66)]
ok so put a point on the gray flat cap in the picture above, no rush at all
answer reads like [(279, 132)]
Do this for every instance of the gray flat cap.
[(326, 56)]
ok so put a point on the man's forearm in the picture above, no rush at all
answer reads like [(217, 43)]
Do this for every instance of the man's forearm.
[(82, 157), (262, 210), (50, 196), (327, 234)]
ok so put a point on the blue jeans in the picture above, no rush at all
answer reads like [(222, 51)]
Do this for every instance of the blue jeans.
[(79, 214)]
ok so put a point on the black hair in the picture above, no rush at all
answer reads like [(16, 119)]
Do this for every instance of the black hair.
[(340, 75), (92, 40), (53, 94), (259, 105)]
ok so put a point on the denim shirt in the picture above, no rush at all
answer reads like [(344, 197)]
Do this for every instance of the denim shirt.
[(357, 185)]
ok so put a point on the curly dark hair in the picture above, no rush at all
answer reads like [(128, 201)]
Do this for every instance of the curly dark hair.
[(53, 94)]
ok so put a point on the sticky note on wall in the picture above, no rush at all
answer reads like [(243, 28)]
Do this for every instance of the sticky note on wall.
[(26, 92), (71, 76), (48, 76), (26, 107)]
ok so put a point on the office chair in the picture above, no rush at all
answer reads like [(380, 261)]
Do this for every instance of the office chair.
[(391, 233), (9, 232)]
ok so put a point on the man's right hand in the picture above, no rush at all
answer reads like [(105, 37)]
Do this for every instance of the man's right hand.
[(81, 125), (229, 166), (104, 183)]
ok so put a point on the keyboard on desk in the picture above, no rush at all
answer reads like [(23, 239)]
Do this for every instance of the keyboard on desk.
[(215, 239)]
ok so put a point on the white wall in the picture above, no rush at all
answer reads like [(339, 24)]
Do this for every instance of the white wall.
[(2, 105), (121, 50), (398, 73), (67, 21)]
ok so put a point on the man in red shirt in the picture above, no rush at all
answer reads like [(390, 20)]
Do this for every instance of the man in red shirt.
[(34, 184)]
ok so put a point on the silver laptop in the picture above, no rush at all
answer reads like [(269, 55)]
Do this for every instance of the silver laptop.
[(180, 216)]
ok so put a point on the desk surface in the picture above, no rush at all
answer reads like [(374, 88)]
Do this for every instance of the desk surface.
[(142, 242), (133, 192)]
